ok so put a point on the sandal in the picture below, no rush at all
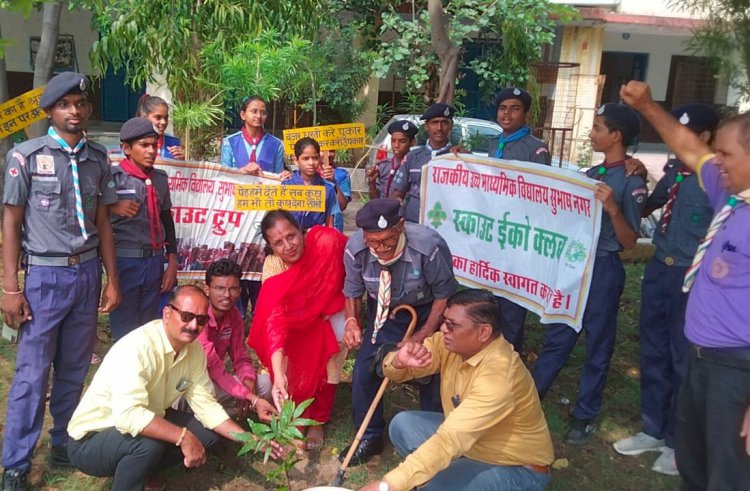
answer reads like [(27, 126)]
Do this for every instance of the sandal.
[(95, 359)]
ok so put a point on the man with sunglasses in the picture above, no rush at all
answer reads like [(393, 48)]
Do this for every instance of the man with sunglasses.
[(124, 425), (393, 262), (491, 433)]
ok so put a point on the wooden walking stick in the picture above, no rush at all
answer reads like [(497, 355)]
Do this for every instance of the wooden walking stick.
[(339, 480)]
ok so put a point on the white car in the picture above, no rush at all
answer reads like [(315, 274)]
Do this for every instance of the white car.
[(472, 133)]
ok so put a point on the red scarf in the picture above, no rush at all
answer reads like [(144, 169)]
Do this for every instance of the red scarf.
[(157, 241), (253, 142), (293, 310), (160, 146), (666, 216)]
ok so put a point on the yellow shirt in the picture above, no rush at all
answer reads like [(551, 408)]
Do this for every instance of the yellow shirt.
[(499, 419), (139, 379)]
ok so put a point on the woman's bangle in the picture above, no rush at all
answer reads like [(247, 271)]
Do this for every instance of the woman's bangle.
[(182, 436), (254, 402), (350, 319), (12, 293)]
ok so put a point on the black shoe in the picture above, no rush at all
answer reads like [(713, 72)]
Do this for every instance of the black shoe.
[(14, 480), (580, 431), (365, 450), (58, 457)]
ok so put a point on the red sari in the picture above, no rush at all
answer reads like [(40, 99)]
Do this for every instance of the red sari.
[(292, 313)]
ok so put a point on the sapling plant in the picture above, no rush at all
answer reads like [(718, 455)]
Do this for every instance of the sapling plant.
[(283, 429)]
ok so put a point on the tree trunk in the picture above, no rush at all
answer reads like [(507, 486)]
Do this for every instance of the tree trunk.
[(447, 52), (45, 57)]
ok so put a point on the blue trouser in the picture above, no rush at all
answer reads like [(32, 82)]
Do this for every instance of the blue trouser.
[(61, 333), (711, 408), (512, 318), (365, 382), (600, 324), (140, 285), (410, 429), (664, 348)]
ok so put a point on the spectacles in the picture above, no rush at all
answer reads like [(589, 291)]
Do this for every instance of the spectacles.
[(233, 290), (451, 326), (389, 242), (187, 317)]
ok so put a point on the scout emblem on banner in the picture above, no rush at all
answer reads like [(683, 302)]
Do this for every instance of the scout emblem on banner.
[(524, 231)]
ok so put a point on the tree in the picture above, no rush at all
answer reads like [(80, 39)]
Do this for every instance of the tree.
[(427, 48), (724, 38), (223, 50), (44, 62)]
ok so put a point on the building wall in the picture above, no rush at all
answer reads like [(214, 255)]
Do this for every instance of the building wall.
[(19, 30), (651, 7), (660, 49)]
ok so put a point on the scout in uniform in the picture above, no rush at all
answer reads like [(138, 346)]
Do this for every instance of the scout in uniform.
[(664, 348), (623, 199), (143, 226), (57, 188), (515, 143), (713, 407), (392, 262), (408, 181), (307, 158), (380, 176)]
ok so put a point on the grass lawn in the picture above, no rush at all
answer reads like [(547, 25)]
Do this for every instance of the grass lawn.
[(595, 466)]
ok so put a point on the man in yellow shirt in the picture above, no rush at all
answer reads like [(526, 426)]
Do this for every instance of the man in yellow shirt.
[(493, 435), (124, 425)]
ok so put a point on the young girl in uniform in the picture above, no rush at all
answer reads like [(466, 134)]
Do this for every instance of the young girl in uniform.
[(156, 110), (307, 158), (253, 150)]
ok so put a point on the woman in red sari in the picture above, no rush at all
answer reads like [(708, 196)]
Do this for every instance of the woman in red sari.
[(298, 323)]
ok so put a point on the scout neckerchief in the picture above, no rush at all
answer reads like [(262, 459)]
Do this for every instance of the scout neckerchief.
[(152, 199), (523, 131), (73, 155), (718, 220), (253, 142), (384, 285), (438, 151), (666, 215), (394, 167), (160, 146), (603, 168)]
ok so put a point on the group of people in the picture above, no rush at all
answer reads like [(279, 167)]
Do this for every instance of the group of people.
[(68, 212)]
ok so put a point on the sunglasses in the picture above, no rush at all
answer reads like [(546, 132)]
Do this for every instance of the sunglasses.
[(187, 317)]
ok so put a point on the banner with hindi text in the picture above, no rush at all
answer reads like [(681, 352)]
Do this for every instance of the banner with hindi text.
[(19, 112), (524, 231), (208, 223), (331, 137)]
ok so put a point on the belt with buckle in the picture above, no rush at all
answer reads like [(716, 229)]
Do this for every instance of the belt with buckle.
[(542, 469), (62, 260), (731, 357), (137, 253)]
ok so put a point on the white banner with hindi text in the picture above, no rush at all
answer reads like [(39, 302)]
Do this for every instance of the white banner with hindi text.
[(524, 231)]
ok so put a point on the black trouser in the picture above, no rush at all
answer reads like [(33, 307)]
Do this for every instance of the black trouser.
[(132, 459), (711, 407)]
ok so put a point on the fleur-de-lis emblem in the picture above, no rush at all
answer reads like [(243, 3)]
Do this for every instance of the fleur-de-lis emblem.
[(437, 215)]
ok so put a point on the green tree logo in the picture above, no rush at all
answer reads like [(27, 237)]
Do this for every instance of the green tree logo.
[(576, 252)]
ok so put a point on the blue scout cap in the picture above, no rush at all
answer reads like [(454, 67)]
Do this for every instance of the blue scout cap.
[(439, 110), (62, 85), (378, 214), (406, 127), (625, 118), (135, 128), (514, 93), (697, 117)]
